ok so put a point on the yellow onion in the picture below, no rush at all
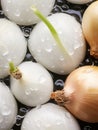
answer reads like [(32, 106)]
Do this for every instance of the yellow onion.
[(90, 27), (80, 94)]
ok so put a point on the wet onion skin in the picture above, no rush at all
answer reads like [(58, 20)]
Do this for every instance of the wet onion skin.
[(49, 117), (20, 11), (80, 93)]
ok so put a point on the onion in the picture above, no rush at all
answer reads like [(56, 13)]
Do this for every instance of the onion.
[(79, 1), (13, 45), (80, 93), (19, 10), (61, 46), (90, 27), (33, 84), (8, 108), (49, 117)]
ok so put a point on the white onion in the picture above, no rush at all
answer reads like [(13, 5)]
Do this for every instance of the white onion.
[(19, 10), (45, 50), (35, 86), (79, 1), (13, 45), (49, 117), (8, 108)]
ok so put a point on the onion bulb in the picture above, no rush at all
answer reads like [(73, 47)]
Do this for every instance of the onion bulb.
[(80, 93), (31, 83), (20, 11), (49, 117), (79, 1), (8, 108), (90, 28), (59, 46), (13, 46)]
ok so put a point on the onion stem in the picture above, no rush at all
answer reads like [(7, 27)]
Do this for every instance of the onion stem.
[(60, 97), (51, 28), (14, 71), (12, 67)]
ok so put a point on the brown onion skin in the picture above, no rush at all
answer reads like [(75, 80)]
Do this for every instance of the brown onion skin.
[(90, 27), (80, 94)]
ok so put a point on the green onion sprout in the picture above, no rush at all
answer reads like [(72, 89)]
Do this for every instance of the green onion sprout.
[(14, 71), (50, 27)]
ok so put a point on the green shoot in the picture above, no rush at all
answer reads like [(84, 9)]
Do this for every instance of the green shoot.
[(50, 27), (14, 71), (12, 67)]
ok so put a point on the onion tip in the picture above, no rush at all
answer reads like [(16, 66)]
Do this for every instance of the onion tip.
[(14, 71)]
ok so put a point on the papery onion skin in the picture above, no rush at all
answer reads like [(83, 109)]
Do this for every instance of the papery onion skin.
[(80, 93), (90, 28)]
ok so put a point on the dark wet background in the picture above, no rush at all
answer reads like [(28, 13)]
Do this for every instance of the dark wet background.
[(77, 11)]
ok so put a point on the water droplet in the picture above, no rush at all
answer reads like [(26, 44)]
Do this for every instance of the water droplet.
[(42, 79), (3, 50), (38, 106), (23, 127), (53, 66), (42, 40), (28, 92), (87, 128), (6, 111), (76, 30), (5, 53), (28, 122), (28, 57), (39, 51), (89, 70), (71, 50), (67, 114), (34, 89), (40, 98), (6, 66), (49, 50), (62, 58), (60, 32), (23, 111), (26, 30), (6, 10), (71, 53), (8, 1), (37, 122), (62, 71), (9, 60), (17, 13), (59, 123), (76, 46), (59, 82), (18, 120)]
